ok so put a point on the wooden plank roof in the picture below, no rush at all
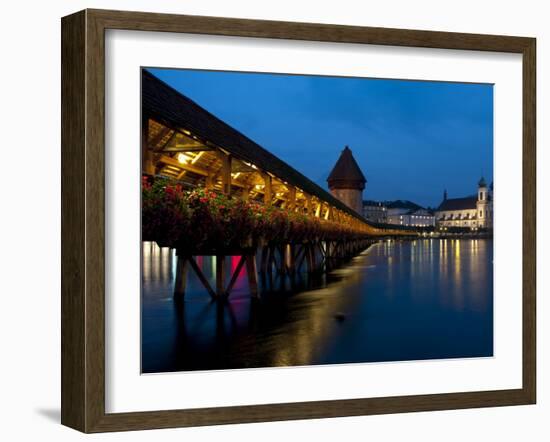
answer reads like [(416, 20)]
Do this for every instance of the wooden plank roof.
[(164, 103)]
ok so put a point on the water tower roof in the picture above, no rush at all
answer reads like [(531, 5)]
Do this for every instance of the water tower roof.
[(346, 172)]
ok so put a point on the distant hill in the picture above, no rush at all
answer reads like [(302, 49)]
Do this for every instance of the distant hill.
[(402, 204), (398, 204)]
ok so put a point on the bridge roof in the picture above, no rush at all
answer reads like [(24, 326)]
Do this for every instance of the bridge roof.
[(168, 106)]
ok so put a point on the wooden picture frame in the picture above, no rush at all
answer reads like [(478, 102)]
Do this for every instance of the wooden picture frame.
[(83, 217)]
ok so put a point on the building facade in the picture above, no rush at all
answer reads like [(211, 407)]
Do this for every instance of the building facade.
[(346, 181), (474, 212), (407, 213), (375, 211)]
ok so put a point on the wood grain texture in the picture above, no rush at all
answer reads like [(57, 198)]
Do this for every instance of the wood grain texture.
[(144, 21), (73, 254), (529, 221), (83, 218), (95, 222)]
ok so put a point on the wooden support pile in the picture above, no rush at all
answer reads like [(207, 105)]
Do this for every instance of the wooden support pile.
[(221, 291), (285, 260)]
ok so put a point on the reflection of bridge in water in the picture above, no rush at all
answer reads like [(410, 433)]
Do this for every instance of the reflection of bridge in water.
[(294, 327), (184, 142), (400, 300)]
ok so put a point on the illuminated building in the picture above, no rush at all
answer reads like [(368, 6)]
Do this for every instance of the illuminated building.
[(474, 212), (407, 213), (375, 211)]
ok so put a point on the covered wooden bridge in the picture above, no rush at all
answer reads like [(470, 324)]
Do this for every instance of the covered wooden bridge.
[(186, 143)]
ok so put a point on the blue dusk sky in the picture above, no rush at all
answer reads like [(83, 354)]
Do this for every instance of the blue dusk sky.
[(412, 139)]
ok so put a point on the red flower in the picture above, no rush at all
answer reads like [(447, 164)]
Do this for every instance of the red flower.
[(145, 183), (170, 213)]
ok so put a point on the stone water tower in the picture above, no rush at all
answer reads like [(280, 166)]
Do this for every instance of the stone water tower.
[(346, 181)]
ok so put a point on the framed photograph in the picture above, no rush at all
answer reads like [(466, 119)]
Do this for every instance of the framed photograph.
[(268, 220)]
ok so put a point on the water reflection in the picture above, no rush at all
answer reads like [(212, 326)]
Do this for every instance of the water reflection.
[(398, 301)]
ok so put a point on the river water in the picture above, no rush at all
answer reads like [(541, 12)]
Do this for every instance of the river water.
[(399, 300)]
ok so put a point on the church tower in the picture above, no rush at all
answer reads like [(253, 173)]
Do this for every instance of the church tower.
[(346, 181), (483, 216)]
